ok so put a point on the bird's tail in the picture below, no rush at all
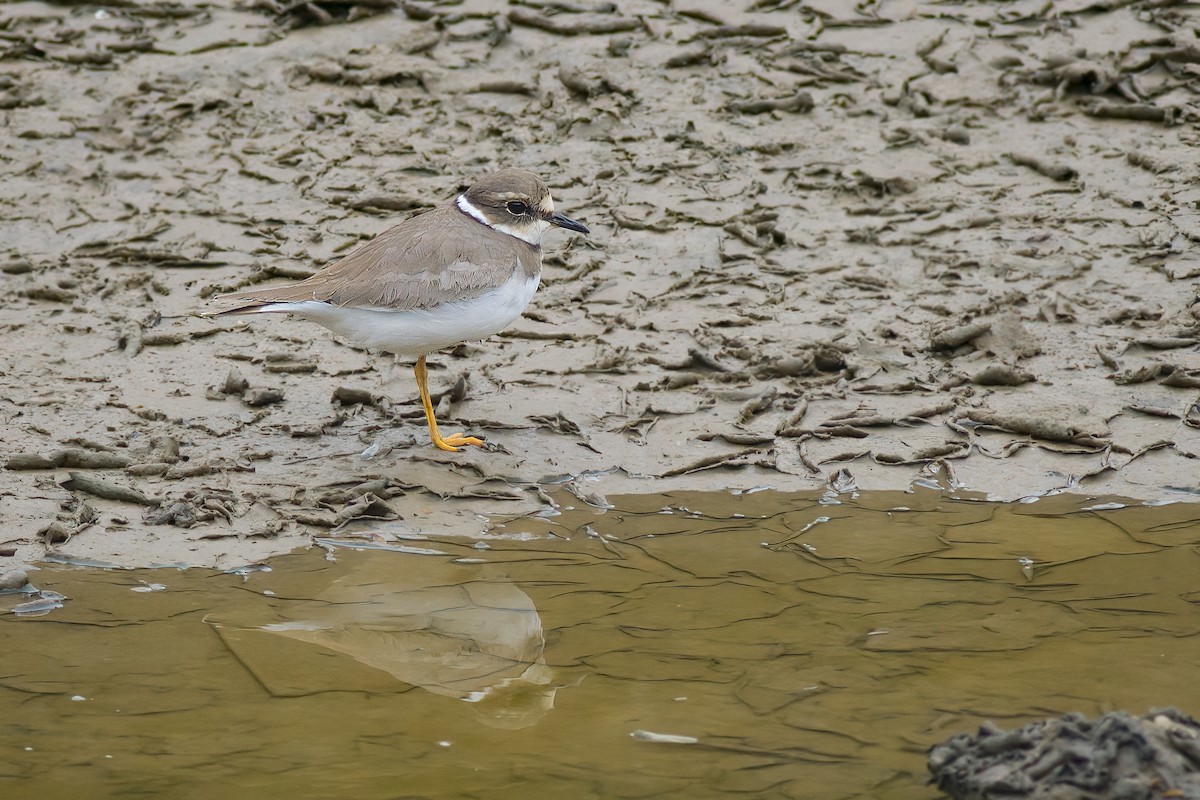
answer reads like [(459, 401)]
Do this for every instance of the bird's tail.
[(273, 300)]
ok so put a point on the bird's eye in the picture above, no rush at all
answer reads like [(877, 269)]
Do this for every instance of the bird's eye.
[(517, 208)]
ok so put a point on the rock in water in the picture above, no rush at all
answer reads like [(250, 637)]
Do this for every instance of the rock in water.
[(1115, 757)]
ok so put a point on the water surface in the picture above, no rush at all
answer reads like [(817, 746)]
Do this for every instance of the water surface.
[(692, 645)]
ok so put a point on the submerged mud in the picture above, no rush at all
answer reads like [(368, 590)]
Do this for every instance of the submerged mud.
[(857, 247)]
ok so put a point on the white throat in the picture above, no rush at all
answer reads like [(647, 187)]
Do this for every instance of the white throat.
[(526, 233)]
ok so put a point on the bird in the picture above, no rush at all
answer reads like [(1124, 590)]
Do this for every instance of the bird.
[(460, 272)]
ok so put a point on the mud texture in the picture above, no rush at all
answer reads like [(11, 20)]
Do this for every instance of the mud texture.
[(1115, 757), (860, 245)]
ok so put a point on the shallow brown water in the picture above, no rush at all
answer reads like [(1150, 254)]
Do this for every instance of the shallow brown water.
[(803, 649)]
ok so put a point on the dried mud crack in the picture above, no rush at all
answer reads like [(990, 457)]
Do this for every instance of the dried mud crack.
[(889, 246)]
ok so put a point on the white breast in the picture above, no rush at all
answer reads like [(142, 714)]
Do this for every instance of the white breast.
[(420, 332)]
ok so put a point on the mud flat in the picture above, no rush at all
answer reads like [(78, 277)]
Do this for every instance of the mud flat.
[(951, 243)]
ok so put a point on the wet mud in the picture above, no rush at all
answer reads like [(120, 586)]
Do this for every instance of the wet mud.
[(870, 246), (1115, 756)]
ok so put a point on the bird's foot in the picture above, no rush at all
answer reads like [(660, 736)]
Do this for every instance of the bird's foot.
[(457, 441)]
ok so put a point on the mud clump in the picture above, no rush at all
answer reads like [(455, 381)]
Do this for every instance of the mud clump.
[(1115, 757)]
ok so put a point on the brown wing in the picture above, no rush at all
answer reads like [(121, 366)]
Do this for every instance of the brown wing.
[(437, 257)]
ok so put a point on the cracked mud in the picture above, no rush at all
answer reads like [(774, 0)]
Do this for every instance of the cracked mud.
[(865, 248)]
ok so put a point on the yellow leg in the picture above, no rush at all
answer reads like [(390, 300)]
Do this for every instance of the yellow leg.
[(453, 443)]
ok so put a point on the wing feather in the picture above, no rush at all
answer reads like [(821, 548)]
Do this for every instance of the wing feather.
[(399, 269)]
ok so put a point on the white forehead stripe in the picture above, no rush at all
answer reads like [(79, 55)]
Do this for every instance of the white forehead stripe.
[(532, 234)]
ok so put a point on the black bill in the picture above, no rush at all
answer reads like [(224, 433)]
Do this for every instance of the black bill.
[(568, 223)]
